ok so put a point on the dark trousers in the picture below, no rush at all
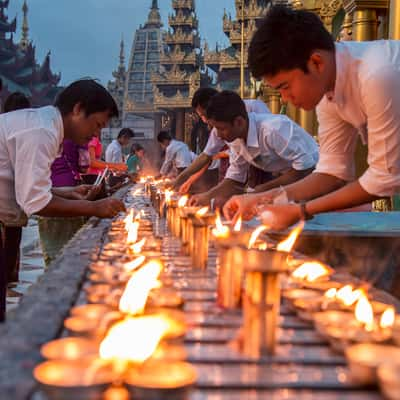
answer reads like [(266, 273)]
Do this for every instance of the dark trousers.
[(10, 241), (12, 255)]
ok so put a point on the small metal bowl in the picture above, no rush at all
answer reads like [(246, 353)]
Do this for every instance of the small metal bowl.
[(389, 380), (70, 349), (365, 358), (65, 380), (161, 380)]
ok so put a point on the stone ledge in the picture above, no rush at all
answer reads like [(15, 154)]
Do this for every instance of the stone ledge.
[(40, 315)]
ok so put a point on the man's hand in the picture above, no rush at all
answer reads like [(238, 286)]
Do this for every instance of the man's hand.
[(185, 187), (85, 192), (244, 205), (201, 199), (247, 205), (279, 217), (107, 208)]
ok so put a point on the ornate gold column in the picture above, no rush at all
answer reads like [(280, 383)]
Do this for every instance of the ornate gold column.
[(365, 17), (180, 124), (394, 20), (292, 112), (308, 121), (273, 100)]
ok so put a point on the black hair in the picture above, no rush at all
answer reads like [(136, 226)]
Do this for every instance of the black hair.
[(202, 97), (226, 106), (126, 132), (164, 135), (285, 40), (16, 101), (136, 147), (92, 97)]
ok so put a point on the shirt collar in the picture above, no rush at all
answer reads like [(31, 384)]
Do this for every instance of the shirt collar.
[(342, 59), (252, 135)]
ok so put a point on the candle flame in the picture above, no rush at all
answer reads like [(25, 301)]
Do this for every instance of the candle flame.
[(254, 236), (364, 313), (168, 196), (134, 339), (288, 244), (136, 248), (348, 296), (134, 265), (133, 230), (330, 293), (238, 225), (387, 318), (129, 219), (310, 271), (137, 290), (183, 201), (202, 211), (220, 230)]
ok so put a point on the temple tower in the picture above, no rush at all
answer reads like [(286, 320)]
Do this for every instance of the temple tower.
[(227, 62), (117, 86), (19, 69), (180, 74)]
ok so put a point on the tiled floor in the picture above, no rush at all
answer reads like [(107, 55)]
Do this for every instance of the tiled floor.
[(32, 265)]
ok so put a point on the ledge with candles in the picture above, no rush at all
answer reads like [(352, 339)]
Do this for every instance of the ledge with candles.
[(206, 310)]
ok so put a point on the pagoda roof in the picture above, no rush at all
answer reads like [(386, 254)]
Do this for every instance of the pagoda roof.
[(15, 87), (6, 26)]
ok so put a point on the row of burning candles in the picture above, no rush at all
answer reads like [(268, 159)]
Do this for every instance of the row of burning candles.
[(126, 287), (127, 341), (368, 332)]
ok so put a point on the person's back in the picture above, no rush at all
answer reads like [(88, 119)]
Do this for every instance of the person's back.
[(29, 130), (182, 153)]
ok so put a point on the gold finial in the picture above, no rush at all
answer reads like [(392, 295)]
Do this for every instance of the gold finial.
[(24, 43), (122, 53)]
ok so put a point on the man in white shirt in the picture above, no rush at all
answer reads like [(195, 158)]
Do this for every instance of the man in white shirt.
[(114, 149), (270, 142), (30, 140), (214, 144), (177, 154), (356, 88)]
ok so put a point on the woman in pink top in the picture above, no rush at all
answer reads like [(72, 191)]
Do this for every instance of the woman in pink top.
[(96, 164)]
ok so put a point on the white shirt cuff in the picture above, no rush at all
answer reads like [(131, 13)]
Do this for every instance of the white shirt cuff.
[(380, 183), (35, 205)]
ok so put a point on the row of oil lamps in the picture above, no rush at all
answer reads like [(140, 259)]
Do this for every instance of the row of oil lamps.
[(253, 273), (127, 341)]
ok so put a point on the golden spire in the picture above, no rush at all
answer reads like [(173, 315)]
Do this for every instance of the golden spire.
[(154, 19), (122, 54), (24, 43)]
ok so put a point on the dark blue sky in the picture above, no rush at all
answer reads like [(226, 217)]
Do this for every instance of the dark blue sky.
[(84, 35)]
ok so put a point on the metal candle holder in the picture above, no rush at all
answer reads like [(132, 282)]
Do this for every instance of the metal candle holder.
[(200, 244), (230, 277), (261, 300)]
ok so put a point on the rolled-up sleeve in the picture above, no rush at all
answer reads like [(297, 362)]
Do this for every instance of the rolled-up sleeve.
[(381, 97), (238, 168), (293, 144), (214, 144), (169, 158), (34, 155), (337, 141)]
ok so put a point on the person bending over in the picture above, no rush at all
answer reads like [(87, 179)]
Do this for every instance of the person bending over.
[(270, 142), (356, 89), (177, 154), (215, 147)]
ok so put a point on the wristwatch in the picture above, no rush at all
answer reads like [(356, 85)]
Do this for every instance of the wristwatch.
[(303, 211)]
